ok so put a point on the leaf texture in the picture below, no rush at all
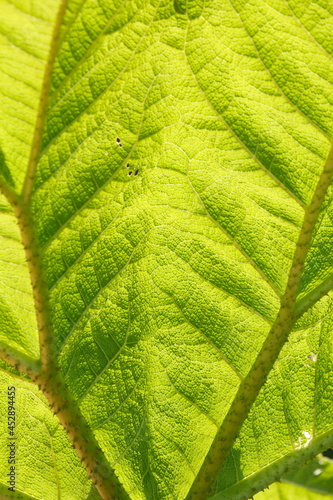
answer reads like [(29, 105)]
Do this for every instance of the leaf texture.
[(18, 328), (25, 34), (46, 465), (291, 420), (182, 144)]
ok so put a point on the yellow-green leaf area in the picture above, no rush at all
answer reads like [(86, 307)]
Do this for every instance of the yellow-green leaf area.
[(25, 35), (46, 466), (182, 144), (18, 327)]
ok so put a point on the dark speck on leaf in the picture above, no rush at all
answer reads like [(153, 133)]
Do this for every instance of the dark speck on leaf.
[(130, 172), (136, 172)]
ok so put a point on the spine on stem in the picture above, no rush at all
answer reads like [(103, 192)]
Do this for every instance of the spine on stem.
[(249, 388)]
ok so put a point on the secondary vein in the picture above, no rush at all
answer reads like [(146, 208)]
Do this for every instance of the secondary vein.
[(255, 379)]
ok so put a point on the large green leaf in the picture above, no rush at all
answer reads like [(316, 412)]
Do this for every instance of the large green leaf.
[(182, 143)]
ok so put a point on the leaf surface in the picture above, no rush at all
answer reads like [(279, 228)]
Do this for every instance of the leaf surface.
[(289, 492), (316, 476), (18, 328), (311, 482), (182, 144), (46, 465), (25, 34), (291, 419)]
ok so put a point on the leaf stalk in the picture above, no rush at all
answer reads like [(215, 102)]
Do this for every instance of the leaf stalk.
[(20, 361), (82, 438), (250, 387), (43, 101), (49, 378), (306, 302)]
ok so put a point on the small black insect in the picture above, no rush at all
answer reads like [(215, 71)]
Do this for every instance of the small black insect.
[(130, 172), (136, 172), (127, 165), (119, 142)]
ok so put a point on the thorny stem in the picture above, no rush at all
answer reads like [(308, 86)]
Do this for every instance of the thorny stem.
[(278, 335), (39, 286), (306, 302), (41, 114), (80, 435), (20, 361), (48, 376)]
